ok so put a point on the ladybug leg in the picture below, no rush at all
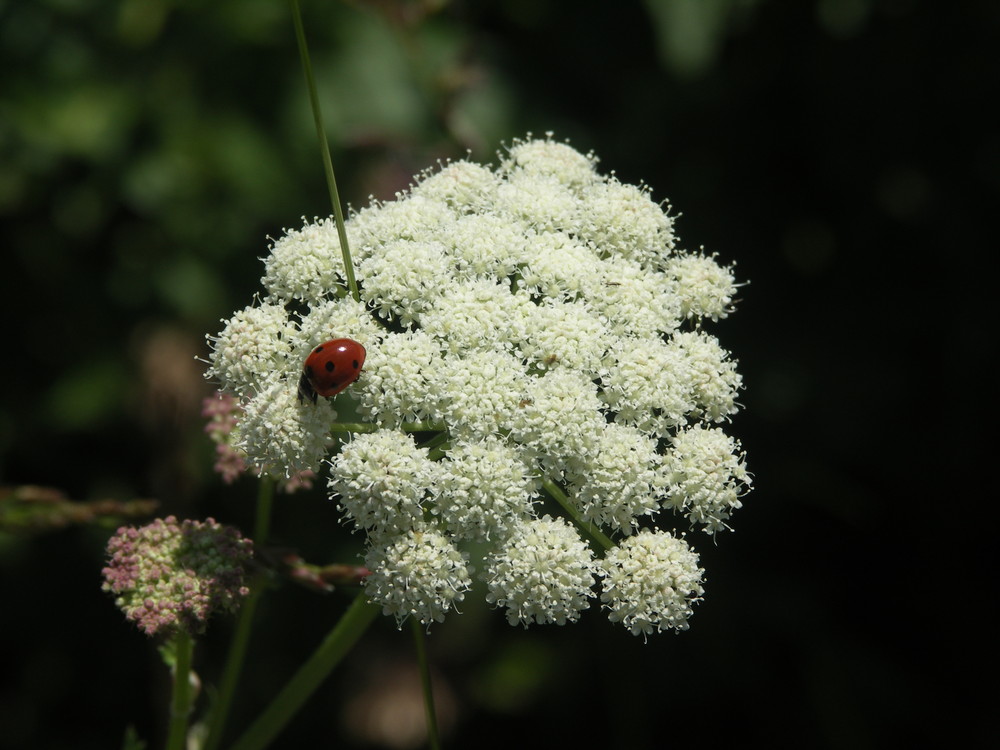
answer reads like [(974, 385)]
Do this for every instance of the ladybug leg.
[(306, 391)]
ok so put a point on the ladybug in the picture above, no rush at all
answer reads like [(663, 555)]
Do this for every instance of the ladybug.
[(330, 368)]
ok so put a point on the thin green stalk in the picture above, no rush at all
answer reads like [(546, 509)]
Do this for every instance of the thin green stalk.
[(438, 446), (423, 427), (331, 180), (311, 674), (586, 526), (180, 703), (425, 679), (437, 452), (241, 637), (340, 427), (234, 665)]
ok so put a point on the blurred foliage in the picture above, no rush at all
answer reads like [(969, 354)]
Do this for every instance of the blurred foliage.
[(838, 150), (38, 509)]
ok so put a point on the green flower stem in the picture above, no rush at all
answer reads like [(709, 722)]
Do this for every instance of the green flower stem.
[(425, 678), (361, 427), (344, 635), (423, 427), (183, 695), (586, 526), (358, 427), (439, 439), (438, 452), (234, 665), (331, 180), (241, 638)]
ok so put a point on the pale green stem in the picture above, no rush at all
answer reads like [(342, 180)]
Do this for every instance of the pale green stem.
[(331, 180), (425, 679), (311, 674), (442, 437), (180, 703), (340, 427), (439, 451), (586, 526), (438, 446), (241, 637)]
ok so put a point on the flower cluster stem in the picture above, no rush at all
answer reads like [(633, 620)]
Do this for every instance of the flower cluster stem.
[(311, 674), (241, 637), (366, 427), (331, 180), (553, 491), (183, 695), (425, 679), (234, 665)]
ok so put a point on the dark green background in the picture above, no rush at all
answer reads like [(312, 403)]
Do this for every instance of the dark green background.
[(840, 151)]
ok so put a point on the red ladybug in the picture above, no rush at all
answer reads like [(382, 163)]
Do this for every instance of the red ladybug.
[(330, 368)]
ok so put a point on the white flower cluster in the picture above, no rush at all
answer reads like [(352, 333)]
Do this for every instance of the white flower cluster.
[(542, 573), (650, 582), (528, 327)]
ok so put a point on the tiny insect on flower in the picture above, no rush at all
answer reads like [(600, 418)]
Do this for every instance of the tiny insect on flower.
[(330, 368)]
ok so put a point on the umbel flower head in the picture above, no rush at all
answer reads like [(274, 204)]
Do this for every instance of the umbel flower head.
[(532, 330), (173, 575)]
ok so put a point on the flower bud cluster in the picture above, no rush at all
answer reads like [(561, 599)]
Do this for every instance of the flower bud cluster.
[(532, 325), (173, 575)]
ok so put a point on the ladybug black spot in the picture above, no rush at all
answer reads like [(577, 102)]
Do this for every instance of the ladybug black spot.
[(329, 366), (318, 349), (355, 363), (308, 370)]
